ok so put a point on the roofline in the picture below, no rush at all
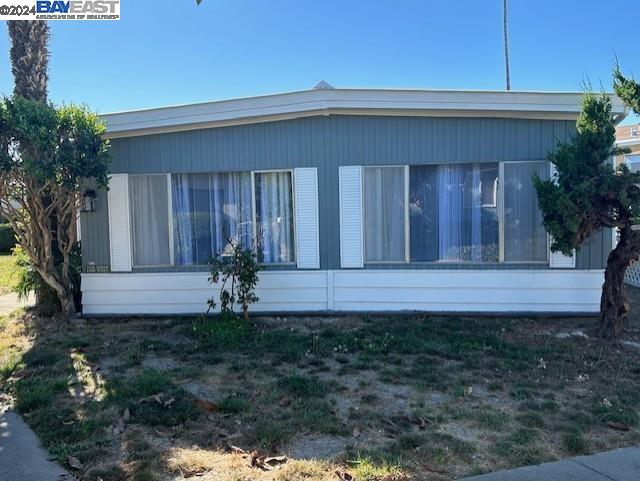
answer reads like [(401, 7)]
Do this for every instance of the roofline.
[(305, 103)]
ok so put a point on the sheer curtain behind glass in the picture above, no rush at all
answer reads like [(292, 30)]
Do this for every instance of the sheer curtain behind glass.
[(149, 219), (384, 214), (525, 239), (209, 211), (453, 213), (231, 211), (274, 217)]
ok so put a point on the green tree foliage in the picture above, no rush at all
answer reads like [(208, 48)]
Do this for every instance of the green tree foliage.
[(237, 275), (627, 89), (588, 193), (45, 153)]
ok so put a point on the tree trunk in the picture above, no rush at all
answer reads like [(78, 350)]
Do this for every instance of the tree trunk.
[(67, 305), (614, 305)]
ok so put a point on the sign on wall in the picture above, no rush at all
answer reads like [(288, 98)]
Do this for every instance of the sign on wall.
[(60, 10)]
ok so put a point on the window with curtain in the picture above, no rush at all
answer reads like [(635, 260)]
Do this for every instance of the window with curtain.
[(384, 214), (274, 217), (525, 239), (453, 213), (148, 203), (210, 213)]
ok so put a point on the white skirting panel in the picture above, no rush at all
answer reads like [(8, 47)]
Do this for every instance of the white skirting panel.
[(354, 290)]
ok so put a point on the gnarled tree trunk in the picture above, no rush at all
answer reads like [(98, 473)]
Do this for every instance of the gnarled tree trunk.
[(614, 305)]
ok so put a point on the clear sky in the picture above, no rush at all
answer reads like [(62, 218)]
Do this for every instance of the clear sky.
[(167, 52)]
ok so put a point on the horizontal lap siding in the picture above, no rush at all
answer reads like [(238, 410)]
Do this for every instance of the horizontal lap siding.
[(327, 142), (188, 292), (350, 290), (468, 291)]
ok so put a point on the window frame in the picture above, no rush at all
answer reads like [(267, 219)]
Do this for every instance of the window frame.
[(293, 213), (500, 209), (254, 247)]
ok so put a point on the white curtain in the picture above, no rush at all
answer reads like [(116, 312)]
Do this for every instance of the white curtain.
[(209, 211), (450, 197), (231, 211), (148, 200), (384, 212), (476, 214), (274, 217)]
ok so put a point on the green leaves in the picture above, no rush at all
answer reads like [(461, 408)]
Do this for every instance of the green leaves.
[(59, 144), (627, 89), (588, 193)]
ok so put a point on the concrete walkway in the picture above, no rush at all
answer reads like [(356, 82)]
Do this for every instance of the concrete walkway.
[(10, 302), (619, 465), (21, 456)]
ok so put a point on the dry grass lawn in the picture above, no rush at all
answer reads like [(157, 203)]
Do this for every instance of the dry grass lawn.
[(379, 398)]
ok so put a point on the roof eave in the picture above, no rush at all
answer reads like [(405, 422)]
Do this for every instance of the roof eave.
[(346, 101)]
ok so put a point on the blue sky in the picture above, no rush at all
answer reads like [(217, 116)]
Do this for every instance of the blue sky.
[(167, 52)]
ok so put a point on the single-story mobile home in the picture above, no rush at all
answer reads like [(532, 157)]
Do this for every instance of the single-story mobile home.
[(354, 200)]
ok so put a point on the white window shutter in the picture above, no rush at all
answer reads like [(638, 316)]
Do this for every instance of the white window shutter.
[(557, 260), (119, 227), (307, 230), (351, 238)]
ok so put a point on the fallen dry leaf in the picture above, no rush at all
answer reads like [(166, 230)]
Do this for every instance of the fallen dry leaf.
[(435, 469), (266, 463), (344, 476), (356, 432), (155, 397), (275, 460), (74, 463), (236, 450), (618, 426), (206, 406)]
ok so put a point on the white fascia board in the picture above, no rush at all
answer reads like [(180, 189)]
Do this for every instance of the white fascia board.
[(358, 101)]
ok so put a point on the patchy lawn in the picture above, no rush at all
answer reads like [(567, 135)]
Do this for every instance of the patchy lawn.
[(8, 277), (377, 397)]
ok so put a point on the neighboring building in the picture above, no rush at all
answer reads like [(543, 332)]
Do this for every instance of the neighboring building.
[(356, 200), (629, 136)]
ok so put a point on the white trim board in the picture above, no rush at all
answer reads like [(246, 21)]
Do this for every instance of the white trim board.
[(515, 291), (554, 105)]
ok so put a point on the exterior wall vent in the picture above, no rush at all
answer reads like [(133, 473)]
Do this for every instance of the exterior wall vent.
[(322, 85)]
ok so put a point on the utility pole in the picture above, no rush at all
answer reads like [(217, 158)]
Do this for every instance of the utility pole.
[(505, 12)]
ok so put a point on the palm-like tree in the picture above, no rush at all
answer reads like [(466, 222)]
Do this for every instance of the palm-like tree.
[(505, 19), (30, 58), (29, 55)]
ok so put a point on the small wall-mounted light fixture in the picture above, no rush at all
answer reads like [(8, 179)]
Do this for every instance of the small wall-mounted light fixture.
[(88, 201)]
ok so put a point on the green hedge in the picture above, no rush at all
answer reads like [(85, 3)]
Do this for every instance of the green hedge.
[(7, 238)]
